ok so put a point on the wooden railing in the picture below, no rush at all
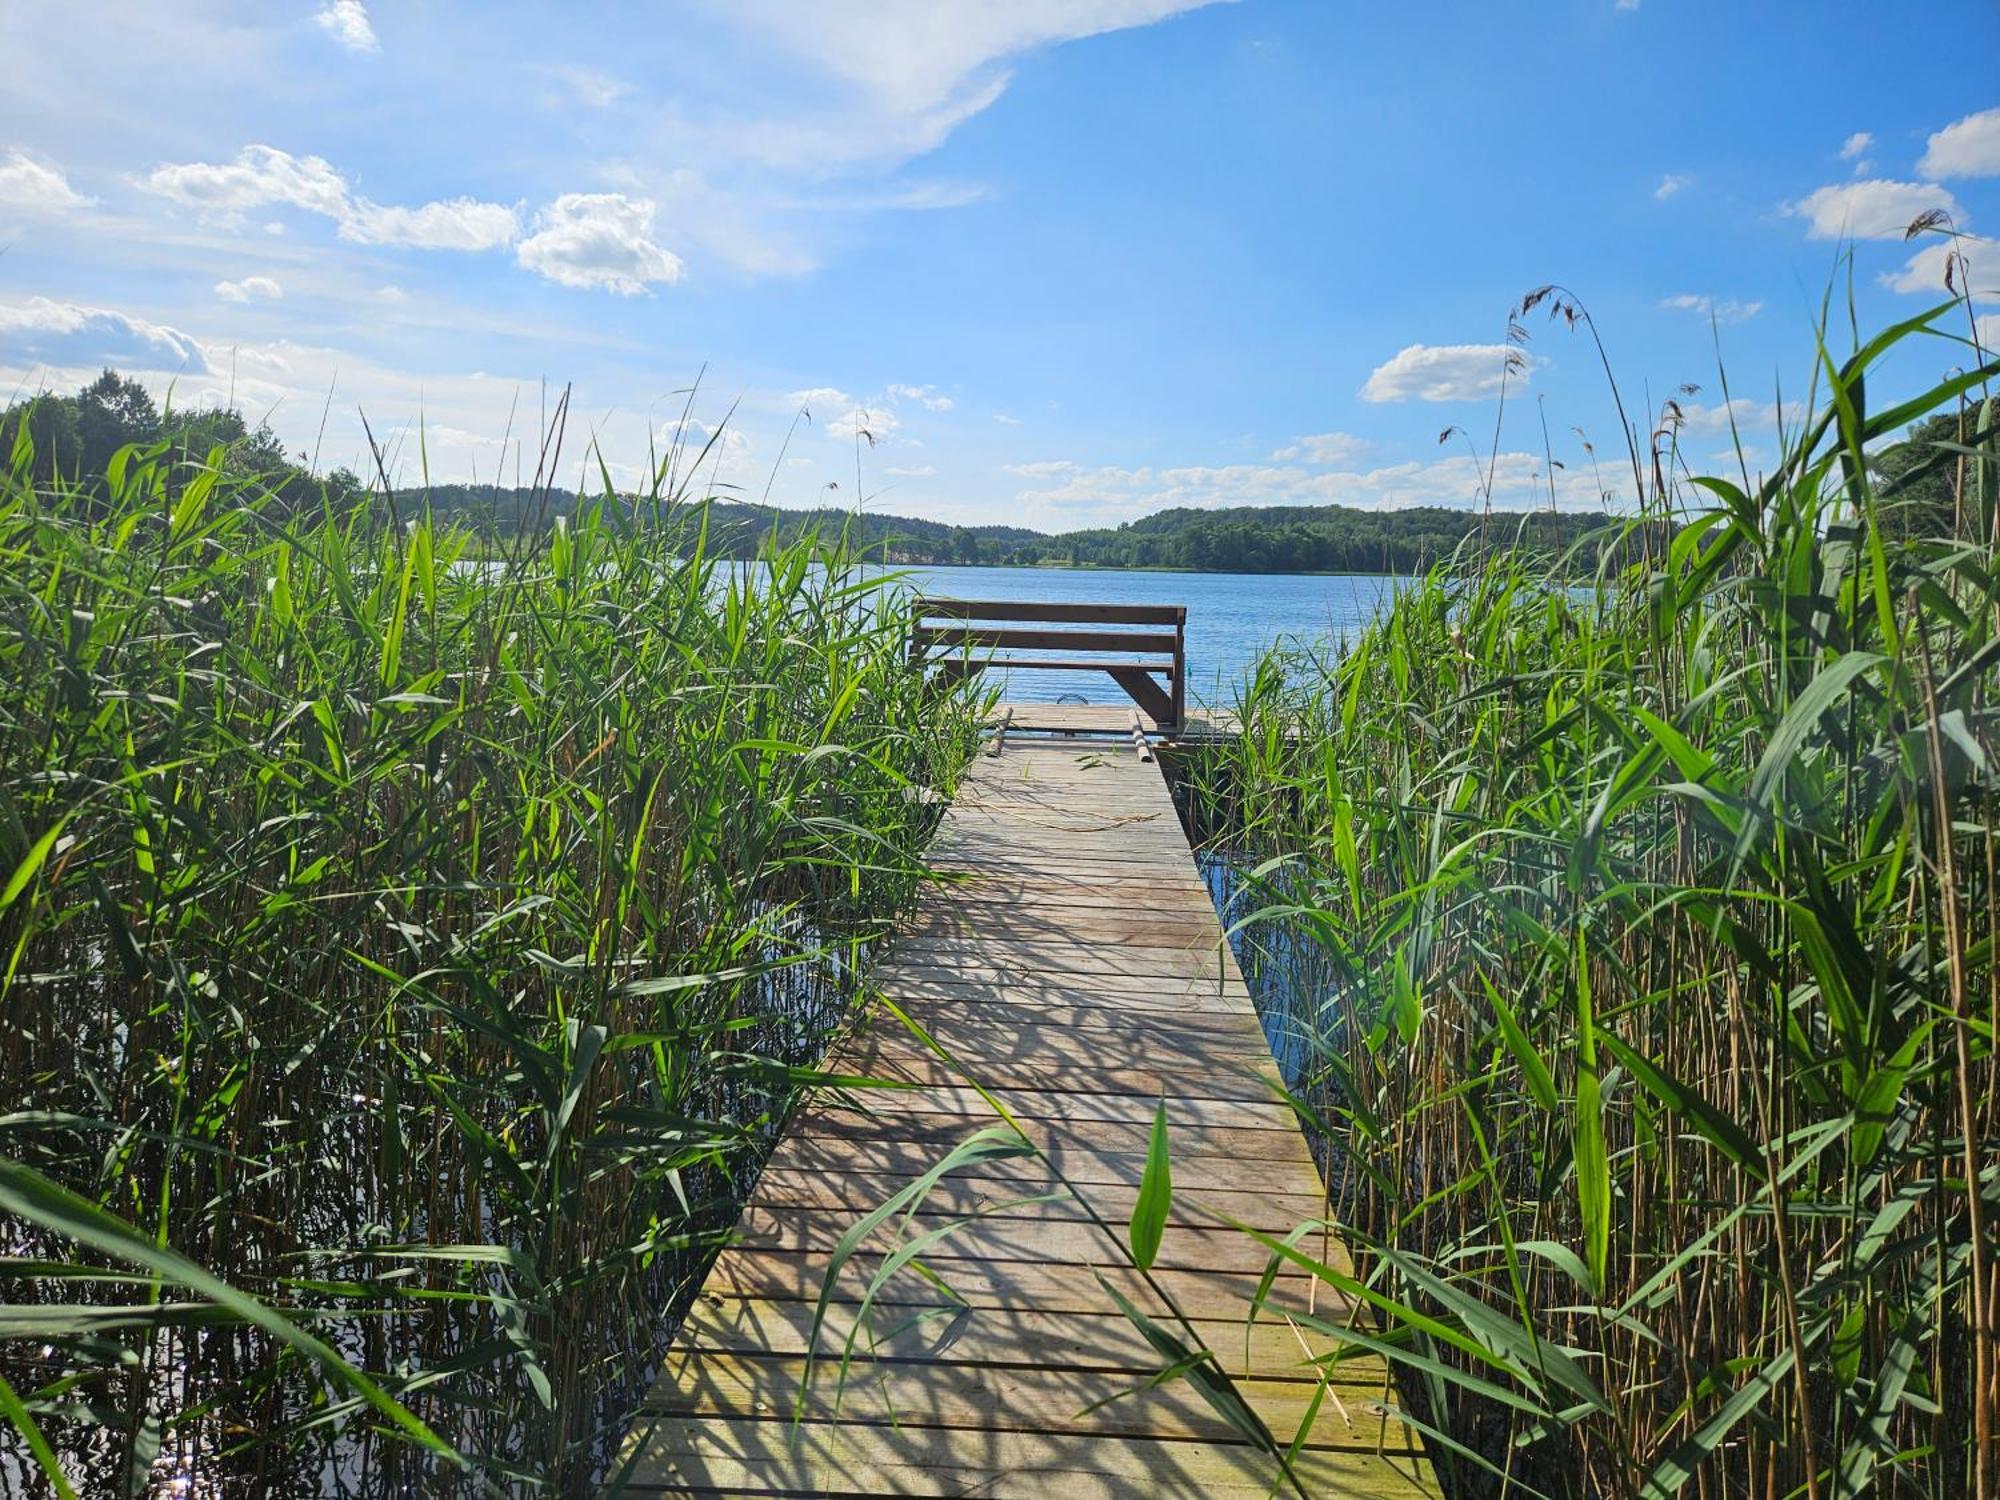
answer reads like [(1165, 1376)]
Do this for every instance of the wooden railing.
[(955, 635)]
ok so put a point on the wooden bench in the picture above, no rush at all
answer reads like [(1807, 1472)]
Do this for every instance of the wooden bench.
[(958, 636)]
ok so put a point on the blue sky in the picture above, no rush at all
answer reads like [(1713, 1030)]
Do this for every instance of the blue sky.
[(1067, 261)]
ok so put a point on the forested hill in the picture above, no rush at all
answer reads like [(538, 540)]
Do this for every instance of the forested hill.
[(1248, 539), (1307, 539)]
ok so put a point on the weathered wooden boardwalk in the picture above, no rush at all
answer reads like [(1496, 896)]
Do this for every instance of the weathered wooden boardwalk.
[(1078, 969)]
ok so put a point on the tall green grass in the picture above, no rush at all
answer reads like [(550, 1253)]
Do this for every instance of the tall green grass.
[(408, 940), (1636, 946)]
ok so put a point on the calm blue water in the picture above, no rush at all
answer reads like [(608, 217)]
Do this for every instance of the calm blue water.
[(1232, 617)]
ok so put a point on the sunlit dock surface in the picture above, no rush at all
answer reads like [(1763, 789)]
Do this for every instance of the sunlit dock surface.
[(1074, 966)]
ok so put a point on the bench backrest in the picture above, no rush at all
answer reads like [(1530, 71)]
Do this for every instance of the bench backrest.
[(971, 634)]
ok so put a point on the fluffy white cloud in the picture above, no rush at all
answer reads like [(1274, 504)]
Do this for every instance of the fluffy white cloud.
[(68, 334), (925, 396), (28, 187), (1965, 148), (1855, 144), (841, 416), (1672, 183), (873, 422), (347, 22), (598, 241), (1975, 266), (262, 176), (1444, 372), (1725, 311), (250, 288), (1323, 448), (1873, 209)]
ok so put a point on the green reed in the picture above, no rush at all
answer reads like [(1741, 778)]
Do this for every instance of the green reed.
[(1639, 938), (411, 938)]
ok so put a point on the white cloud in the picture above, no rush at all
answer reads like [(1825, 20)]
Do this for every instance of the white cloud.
[(820, 400), (1065, 493), (1873, 209), (1750, 418), (1672, 183), (1725, 312), (29, 187), (924, 395), (347, 22), (249, 289), (453, 224), (1975, 265), (598, 90), (1323, 448), (1855, 145), (1005, 420), (1965, 148), (723, 453), (922, 471), (598, 241), (1444, 372), (874, 422), (911, 71), (841, 416), (65, 333), (392, 293), (262, 176)]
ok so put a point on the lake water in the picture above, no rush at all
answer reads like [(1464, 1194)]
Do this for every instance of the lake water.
[(1232, 617)]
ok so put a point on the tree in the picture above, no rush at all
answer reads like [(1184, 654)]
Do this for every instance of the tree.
[(1925, 477)]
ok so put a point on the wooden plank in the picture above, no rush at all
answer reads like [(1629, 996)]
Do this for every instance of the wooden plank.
[(1273, 1347), (1060, 664), (708, 1455), (1015, 609), (1050, 1068), (940, 1132), (1075, 967), (1102, 929), (1001, 1237), (955, 637), (1074, 960), (1183, 1110), (1273, 1211), (1087, 1165), (999, 1398), (965, 983), (1054, 1287)]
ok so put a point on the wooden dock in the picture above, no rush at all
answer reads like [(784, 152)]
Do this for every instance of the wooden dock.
[(1075, 966), (1112, 720)]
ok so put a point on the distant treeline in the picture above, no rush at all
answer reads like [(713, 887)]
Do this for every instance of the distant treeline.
[(77, 435), (1247, 539), (1308, 538)]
